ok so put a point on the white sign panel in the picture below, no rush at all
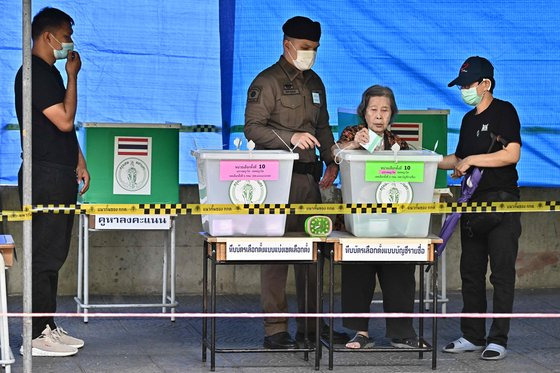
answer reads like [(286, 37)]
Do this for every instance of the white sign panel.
[(133, 222), (132, 170), (269, 249), (360, 251)]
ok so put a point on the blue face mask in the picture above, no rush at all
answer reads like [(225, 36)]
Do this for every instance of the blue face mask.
[(61, 54)]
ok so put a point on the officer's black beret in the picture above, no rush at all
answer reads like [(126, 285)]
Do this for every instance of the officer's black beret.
[(302, 28)]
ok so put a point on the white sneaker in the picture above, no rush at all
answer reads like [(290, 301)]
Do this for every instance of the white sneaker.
[(63, 337), (48, 345)]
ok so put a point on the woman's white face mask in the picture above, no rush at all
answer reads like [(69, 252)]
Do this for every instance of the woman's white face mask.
[(304, 58)]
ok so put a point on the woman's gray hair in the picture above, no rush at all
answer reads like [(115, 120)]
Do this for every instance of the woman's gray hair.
[(377, 91)]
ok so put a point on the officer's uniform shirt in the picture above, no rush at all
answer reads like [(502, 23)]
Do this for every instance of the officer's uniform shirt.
[(286, 100), (49, 143), (501, 119)]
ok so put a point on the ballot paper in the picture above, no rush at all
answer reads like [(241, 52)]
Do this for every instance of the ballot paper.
[(374, 141)]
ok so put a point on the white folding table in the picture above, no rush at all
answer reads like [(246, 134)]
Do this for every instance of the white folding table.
[(165, 223)]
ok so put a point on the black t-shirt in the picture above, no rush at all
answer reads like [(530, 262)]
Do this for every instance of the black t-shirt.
[(48, 142), (501, 119)]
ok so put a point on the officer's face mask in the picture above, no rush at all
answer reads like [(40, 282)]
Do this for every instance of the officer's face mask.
[(61, 54), (470, 96), (304, 58)]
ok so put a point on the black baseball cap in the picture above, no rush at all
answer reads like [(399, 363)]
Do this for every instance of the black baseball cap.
[(472, 70), (302, 28)]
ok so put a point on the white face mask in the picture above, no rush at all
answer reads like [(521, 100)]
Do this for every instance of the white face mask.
[(304, 59), (470, 95), (61, 54)]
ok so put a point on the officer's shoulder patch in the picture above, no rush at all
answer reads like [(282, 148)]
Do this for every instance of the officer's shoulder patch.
[(254, 94)]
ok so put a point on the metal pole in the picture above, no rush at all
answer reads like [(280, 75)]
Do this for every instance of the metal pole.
[(27, 224)]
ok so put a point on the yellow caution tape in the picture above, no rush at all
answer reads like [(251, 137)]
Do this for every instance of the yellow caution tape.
[(283, 209), (294, 208), (15, 215)]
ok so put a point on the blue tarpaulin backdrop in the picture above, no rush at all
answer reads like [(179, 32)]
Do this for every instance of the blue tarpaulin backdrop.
[(192, 62), (142, 61)]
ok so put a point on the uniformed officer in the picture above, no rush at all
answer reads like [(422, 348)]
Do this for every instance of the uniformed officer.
[(286, 108)]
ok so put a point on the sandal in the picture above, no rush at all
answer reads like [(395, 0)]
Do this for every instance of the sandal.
[(461, 345), (362, 341), (494, 352)]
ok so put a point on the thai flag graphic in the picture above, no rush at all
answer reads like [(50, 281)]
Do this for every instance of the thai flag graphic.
[(409, 132), (132, 146)]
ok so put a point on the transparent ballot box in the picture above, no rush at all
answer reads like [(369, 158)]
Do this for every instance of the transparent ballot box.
[(244, 177), (387, 177)]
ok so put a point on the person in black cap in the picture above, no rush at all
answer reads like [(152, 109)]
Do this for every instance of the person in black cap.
[(286, 108), (486, 236)]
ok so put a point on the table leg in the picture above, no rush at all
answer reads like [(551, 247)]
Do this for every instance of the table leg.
[(4, 332), (319, 301), (305, 321), (435, 319), (164, 272), (213, 310), (331, 305), (172, 270), (443, 282), (204, 298), (427, 284), (79, 290), (421, 309), (86, 272)]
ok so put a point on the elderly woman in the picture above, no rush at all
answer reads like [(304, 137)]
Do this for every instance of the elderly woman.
[(377, 111)]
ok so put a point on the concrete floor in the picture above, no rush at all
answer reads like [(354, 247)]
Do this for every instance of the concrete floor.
[(157, 345)]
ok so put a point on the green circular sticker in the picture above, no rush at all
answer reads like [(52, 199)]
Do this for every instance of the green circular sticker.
[(132, 174), (247, 192), (393, 192)]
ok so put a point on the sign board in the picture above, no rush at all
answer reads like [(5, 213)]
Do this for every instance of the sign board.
[(132, 222), (358, 250), (263, 248)]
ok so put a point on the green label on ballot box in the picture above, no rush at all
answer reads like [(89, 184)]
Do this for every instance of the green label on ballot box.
[(412, 172)]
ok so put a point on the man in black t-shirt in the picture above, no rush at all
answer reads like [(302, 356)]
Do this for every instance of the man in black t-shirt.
[(58, 167), (493, 236)]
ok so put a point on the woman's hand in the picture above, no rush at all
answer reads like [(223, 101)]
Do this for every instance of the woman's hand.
[(330, 175), (361, 137)]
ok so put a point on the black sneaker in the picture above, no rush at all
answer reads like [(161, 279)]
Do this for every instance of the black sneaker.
[(406, 343), (300, 339), (281, 340)]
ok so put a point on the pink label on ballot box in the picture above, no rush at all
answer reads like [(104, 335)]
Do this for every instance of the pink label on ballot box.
[(248, 170)]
